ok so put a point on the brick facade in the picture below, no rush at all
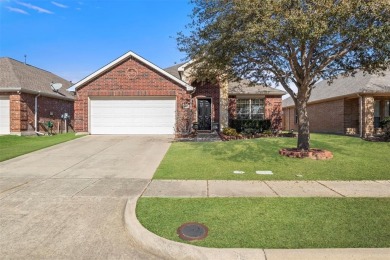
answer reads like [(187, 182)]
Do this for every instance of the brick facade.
[(326, 117), (341, 116), (207, 90), (131, 78), (273, 111), (351, 116), (22, 113)]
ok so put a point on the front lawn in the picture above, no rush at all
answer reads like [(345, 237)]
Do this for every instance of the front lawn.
[(12, 146), (354, 159), (273, 222)]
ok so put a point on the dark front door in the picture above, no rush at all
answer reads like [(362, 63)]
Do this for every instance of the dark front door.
[(204, 114)]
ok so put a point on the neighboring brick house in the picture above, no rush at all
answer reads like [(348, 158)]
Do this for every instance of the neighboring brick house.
[(28, 99), (133, 96), (350, 105)]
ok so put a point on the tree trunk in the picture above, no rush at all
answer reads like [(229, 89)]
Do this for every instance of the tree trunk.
[(303, 126)]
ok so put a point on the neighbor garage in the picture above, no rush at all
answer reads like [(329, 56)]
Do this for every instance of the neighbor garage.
[(132, 96), (4, 115), (135, 115)]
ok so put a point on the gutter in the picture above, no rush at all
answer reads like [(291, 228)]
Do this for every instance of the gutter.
[(36, 114), (34, 92)]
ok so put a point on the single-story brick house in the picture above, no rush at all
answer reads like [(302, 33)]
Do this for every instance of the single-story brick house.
[(350, 105), (30, 97), (131, 95)]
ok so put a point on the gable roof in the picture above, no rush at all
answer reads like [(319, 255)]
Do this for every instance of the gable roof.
[(174, 70), (348, 86), (242, 87), (17, 76), (124, 57)]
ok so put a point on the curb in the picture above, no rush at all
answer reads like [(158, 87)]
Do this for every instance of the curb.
[(167, 249)]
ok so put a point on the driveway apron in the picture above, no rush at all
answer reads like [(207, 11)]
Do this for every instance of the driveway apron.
[(68, 201)]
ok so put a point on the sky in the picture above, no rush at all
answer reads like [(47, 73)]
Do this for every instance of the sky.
[(75, 38)]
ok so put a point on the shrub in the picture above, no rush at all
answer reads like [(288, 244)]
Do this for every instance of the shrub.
[(250, 126), (385, 124), (229, 131)]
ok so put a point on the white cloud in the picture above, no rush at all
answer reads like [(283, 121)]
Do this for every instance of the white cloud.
[(16, 10), (59, 5), (34, 7)]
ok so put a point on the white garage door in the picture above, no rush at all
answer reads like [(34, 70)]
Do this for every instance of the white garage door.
[(4, 116), (133, 116)]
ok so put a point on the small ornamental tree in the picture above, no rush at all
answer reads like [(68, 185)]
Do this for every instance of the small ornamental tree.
[(288, 43)]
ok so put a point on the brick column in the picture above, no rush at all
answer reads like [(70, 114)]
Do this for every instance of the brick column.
[(223, 105), (367, 116), (15, 104)]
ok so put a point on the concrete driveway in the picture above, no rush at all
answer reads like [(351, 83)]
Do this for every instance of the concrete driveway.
[(68, 201)]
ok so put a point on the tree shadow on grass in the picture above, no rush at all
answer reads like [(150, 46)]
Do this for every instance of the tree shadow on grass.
[(246, 150)]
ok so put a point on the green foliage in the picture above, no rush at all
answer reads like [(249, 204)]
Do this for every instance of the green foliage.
[(287, 43), (385, 124), (273, 222), (385, 121), (229, 131), (250, 126)]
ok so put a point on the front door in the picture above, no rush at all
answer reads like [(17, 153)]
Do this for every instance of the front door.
[(204, 114)]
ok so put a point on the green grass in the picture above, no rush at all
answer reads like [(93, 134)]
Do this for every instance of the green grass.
[(12, 146), (354, 159), (273, 222)]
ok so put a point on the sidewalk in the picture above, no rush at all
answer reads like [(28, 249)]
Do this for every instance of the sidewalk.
[(167, 249), (215, 188)]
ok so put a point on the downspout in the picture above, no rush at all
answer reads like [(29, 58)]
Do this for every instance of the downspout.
[(36, 114), (360, 115)]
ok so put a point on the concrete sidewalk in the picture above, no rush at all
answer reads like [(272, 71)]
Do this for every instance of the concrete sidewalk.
[(167, 249), (233, 188)]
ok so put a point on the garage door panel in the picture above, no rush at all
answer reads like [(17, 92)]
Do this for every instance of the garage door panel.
[(133, 116), (4, 115)]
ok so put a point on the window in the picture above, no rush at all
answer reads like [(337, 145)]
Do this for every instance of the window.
[(377, 114), (250, 108), (387, 108)]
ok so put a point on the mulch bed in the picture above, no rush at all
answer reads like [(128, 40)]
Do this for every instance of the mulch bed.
[(314, 153), (377, 139)]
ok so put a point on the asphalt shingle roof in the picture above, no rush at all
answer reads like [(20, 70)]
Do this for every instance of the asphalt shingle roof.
[(17, 75), (174, 70), (348, 86), (242, 87)]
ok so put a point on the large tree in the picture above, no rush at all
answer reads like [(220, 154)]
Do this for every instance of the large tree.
[(288, 43)]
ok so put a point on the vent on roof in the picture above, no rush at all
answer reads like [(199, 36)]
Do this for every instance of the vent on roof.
[(55, 86)]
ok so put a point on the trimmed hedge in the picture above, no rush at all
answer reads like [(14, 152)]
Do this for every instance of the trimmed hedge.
[(250, 126)]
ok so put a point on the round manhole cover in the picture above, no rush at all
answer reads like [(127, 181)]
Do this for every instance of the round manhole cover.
[(192, 231)]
